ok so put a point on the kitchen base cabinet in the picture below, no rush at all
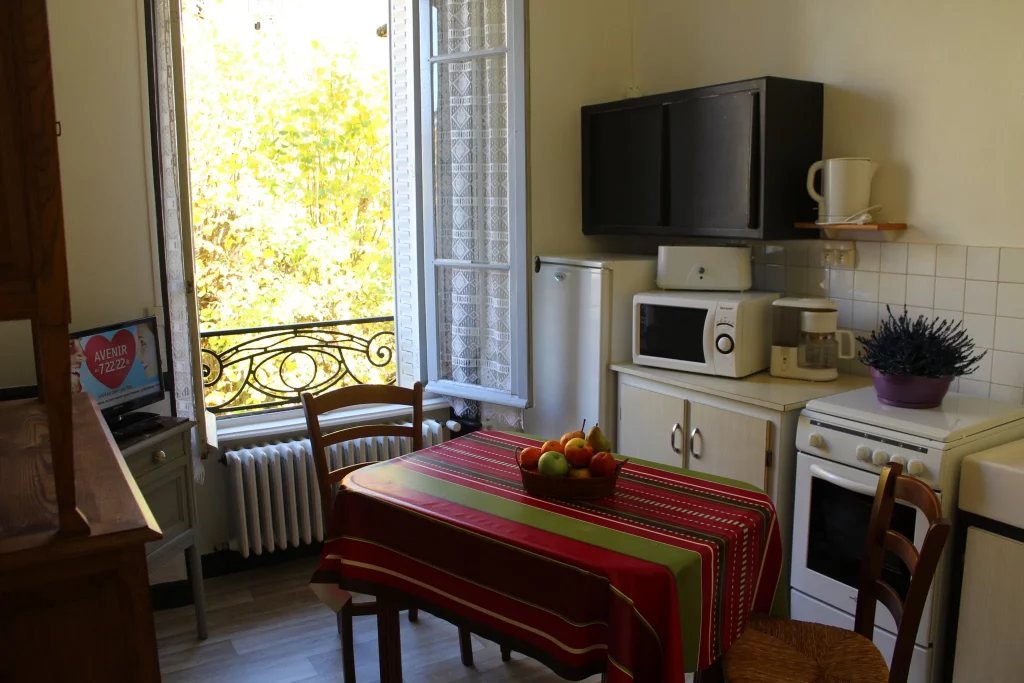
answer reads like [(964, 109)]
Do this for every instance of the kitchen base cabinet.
[(716, 436)]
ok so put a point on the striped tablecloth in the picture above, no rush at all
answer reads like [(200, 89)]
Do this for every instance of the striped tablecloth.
[(656, 580)]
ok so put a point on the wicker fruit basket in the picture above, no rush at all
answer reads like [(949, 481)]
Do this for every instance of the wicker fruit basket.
[(569, 488)]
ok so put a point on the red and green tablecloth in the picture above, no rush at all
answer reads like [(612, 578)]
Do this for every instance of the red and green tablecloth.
[(656, 580)]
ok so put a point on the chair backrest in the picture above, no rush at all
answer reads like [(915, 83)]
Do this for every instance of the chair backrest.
[(893, 485), (363, 394)]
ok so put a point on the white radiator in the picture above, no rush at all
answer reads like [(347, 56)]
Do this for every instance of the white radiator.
[(273, 497)]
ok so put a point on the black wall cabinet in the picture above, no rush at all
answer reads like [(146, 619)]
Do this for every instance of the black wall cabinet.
[(723, 161)]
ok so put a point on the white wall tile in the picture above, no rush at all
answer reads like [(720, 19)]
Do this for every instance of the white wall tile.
[(970, 387), (1008, 367), (865, 286), (1010, 300), (758, 277), (796, 254), (949, 293), (845, 312), (1003, 394), (883, 312), (984, 371), (1011, 265), (920, 291), (894, 258), (921, 259), (980, 297), (775, 278), (796, 281), (817, 282), (814, 253), (951, 261), (981, 329), (916, 312), (951, 316), (840, 284), (892, 288), (1010, 334), (869, 255), (774, 253), (982, 263), (865, 315)]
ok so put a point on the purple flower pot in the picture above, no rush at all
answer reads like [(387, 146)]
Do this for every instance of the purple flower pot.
[(907, 391)]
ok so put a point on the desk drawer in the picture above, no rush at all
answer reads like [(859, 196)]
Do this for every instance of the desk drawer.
[(147, 460), (166, 493)]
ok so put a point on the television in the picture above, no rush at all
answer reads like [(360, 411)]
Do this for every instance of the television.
[(119, 365)]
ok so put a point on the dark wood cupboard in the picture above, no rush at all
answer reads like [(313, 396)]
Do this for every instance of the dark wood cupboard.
[(725, 161)]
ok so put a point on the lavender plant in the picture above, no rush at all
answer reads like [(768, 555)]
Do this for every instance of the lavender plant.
[(920, 348)]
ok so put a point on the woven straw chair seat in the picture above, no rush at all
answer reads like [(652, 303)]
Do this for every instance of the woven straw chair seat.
[(782, 651)]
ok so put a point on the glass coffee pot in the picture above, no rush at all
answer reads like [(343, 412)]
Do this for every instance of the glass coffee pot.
[(806, 343)]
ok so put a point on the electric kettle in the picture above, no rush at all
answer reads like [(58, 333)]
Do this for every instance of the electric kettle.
[(845, 188)]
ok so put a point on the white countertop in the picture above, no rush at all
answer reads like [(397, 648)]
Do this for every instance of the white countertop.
[(991, 483), (760, 389)]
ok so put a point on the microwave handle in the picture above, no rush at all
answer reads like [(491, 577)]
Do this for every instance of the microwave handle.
[(822, 473)]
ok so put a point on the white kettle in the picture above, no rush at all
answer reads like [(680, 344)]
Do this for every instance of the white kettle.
[(845, 187)]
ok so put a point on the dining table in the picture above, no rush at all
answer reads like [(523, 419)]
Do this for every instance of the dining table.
[(646, 585)]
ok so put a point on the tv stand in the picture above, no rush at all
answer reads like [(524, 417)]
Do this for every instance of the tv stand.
[(131, 424)]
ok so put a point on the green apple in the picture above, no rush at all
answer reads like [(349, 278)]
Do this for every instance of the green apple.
[(553, 464)]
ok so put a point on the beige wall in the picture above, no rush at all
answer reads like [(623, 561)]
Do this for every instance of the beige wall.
[(579, 53), (98, 72), (934, 89)]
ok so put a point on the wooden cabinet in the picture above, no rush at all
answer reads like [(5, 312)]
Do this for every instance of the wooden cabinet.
[(686, 432), (729, 160)]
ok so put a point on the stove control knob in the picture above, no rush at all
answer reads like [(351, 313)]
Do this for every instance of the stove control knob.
[(879, 457), (898, 459), (864, 453), (816, 441), (916, 468)]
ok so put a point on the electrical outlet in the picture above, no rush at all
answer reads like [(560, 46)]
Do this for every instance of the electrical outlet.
[(839, 255)]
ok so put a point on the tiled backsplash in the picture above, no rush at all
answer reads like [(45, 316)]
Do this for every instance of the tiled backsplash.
[(983, 286)]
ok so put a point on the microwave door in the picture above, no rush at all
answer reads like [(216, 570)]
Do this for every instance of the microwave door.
[(675, 337)]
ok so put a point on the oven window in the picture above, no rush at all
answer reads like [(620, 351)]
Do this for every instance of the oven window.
[(672, 332), (838, 535)]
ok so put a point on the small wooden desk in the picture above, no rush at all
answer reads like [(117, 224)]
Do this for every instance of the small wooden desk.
[(161, 462)]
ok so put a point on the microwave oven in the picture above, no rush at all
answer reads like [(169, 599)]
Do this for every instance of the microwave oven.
[(713, 333)]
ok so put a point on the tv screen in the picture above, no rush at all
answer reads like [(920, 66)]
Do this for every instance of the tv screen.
[(119, 365)]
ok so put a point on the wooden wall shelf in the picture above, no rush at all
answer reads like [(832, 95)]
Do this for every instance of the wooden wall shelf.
[(853, 226)]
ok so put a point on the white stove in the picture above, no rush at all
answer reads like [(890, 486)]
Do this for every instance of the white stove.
[(843, 442)]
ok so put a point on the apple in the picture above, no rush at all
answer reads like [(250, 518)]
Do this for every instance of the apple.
[(569, 436), (578, 452), (603, 464), (579, 473), (528, 457), (553, 464)]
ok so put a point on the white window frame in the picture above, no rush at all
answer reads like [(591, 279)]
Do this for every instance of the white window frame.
[(518, 265)]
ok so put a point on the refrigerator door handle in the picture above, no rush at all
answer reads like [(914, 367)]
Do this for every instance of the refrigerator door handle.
[(672, 438)]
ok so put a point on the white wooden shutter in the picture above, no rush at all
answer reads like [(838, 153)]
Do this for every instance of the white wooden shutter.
[(473, 103), (410, 329)]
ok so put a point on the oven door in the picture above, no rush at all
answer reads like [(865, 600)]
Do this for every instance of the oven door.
[(677, 336), (831, 512)]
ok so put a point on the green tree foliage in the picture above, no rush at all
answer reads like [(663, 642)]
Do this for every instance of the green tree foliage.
[(289, 158)]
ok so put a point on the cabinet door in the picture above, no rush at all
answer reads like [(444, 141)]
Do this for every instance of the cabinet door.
[(646, 421), (714, 162), (728, 444), (623, 169)]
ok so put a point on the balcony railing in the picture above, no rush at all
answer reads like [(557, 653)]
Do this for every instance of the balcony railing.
[(260, 368)]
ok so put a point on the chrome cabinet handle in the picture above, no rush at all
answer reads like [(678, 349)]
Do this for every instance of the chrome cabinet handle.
[(559, 276), (672, 438), (159, 457), (694, 433)]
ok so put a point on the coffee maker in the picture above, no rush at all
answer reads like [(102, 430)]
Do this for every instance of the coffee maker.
[(805, 341)]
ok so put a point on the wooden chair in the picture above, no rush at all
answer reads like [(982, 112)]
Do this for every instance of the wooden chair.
[(314, 407), (776, 650)]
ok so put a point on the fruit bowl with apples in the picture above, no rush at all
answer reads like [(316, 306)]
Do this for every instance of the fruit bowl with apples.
[(579, 466)]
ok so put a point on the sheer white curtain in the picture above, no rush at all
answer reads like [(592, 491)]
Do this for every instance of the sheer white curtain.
[(472, 171), (172, 187)]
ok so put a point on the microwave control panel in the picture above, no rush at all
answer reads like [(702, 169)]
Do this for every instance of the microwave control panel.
[(725, 337)]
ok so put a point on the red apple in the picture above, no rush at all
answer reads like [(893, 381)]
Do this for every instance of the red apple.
[(603, 464), (578, 452)]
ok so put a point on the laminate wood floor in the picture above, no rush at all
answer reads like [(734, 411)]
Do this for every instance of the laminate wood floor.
[(266, 626)]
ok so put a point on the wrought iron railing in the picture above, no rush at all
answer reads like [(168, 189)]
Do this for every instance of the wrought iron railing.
[(260, 368)]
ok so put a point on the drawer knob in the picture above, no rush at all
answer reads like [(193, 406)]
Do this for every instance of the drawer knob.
[(159, 456)]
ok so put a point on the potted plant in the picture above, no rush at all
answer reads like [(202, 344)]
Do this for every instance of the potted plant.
[(913, 362)]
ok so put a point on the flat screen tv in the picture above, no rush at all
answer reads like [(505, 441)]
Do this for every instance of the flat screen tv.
[(119, 365)]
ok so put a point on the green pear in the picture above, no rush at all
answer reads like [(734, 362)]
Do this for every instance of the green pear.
[(597, 439)]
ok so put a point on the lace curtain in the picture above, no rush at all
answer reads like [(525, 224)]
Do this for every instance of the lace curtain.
[(168, 97), (471, 202)]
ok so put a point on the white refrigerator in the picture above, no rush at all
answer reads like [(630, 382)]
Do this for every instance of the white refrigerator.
[(582, 321)]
